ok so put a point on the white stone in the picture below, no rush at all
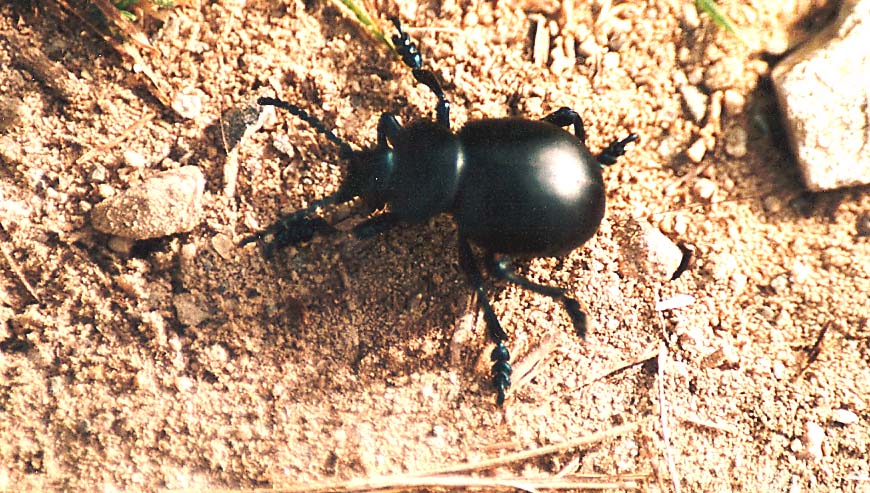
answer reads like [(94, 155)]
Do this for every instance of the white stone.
[(824, 94)]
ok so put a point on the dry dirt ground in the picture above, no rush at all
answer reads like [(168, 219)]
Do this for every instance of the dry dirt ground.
[(190, 363)]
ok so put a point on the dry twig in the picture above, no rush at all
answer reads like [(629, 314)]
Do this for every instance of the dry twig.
[(131, 41), (52, 74), (666, 430)]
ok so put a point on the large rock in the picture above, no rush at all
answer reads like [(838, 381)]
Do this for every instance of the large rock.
[(824, 92)]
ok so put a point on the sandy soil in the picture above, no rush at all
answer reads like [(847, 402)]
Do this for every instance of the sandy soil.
[(189, 363)]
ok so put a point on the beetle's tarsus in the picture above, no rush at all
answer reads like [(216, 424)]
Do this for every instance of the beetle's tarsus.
[(616, 149), (578, 317), (501, 371), (291, 229)]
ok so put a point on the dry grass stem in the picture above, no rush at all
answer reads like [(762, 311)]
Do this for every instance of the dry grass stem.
[(666, 430), (13, 266), (445, 477), (138, 125)]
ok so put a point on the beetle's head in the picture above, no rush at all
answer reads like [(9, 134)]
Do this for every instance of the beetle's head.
[(368, 174)]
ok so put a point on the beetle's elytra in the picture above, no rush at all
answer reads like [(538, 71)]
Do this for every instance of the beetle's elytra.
[(513, 186)]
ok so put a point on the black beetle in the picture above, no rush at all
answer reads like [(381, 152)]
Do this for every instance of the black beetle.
[(517, 187)]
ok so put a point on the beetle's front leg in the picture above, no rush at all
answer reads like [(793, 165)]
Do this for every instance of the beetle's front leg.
[(388, 129), (296, 227), (376, 225)]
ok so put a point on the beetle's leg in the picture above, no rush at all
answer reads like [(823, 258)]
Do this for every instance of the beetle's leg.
[(564, 117), (303, 224), (410, 54), (502, 269), (500, 356), (296, 227), (615, 149), (375, 225), (388, 128)]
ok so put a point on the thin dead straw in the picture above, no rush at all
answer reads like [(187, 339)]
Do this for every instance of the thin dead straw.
[(13, 266), (448, 477), (666, 429), (132, 129)]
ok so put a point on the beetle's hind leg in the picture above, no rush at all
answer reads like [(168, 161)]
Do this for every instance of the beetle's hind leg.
[(500, 356), (564, 117), (502, 269)]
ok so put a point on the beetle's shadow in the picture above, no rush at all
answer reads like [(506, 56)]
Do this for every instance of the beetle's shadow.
[(380, 308)]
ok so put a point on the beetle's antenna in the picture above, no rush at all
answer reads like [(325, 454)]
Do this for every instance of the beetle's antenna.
[(410, 54), (345, 150)]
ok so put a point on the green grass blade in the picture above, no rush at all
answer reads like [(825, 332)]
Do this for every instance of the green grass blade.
[(366, 21), (719, 17)]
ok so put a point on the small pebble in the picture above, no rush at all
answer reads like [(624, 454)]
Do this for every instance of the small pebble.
[(681, 224), (796, 445), (691, 19), (862, 224), (121, 245), (695, 100), (734, 102), (735, 141), (183, 384), (105, 190), (188, 310), (696, 151), (648, 250), (704, 188), (133, 159), (812, 442), (610, 60), (99, 173), (778, 369), (779, 283), (284, 145), (772, 204), (725, 357), (800, 273), (223, 245), (675, 302), (188, 104), (589, 47), (541, 43), (844, 417)]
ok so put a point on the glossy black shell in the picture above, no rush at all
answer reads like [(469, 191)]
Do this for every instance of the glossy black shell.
[(528, 187)]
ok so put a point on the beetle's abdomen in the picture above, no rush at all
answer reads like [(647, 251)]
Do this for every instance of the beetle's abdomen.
[(528, 188)]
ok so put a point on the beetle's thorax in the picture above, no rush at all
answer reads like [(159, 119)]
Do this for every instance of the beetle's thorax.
[(417, 175)]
